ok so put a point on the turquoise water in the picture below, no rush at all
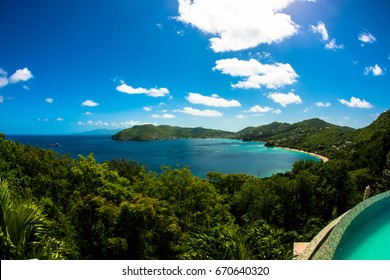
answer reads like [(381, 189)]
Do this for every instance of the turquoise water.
[(201, 155), (368, 235)]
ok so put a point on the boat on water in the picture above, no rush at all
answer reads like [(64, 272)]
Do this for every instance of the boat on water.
[(54, 145)]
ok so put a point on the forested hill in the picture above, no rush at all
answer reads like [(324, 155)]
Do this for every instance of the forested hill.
[(165, 132), (314, 135)]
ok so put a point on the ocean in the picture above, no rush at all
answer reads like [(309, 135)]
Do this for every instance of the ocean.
[(200, 155)]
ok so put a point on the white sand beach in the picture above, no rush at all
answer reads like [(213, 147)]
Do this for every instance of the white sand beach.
[(323, 158)]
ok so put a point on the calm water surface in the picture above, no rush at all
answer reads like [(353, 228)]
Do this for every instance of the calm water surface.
[(368, 235), (201, 155)]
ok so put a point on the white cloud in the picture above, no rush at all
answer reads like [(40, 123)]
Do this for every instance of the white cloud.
[(94, 123), (257, 74), (1, 99), (321, 29), (277, 112), (112, 125), (374, 70), (21, 75), (259, 109), (154, 92), (3, 81), (49, 100), (89, 103), (200, 113), (158, 92), (240, 117), (164, 116), (87, 113), (366, 38), (147, 109), (322, 104), (285, 99), (356, 103), (213, 100), (3, 78), (238, 25), (43, 119), (330, 43), (60, 119), (125, 124)]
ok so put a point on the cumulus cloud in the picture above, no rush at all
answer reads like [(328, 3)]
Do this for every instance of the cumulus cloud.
[(21, 75), (259, 109), (147, 109), (374, 70), (154, 92), (238, 25), (213, 100), (240, 117), (59, 119), (200, 113), (285, 99), (112, 125), (356, 103), (49, 100), (323, 104), (331, 44), (366, 38), (257, 74), (89, 103), (163, 116)]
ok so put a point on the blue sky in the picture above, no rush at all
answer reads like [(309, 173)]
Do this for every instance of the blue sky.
[(72, 66)]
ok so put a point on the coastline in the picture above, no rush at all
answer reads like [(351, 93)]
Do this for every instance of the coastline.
[(323, 158)]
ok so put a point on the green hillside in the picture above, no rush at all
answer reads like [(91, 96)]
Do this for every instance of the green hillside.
[(165, 132), (312, 135)]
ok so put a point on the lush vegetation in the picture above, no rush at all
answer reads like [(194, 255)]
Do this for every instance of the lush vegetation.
[(56, 207), (150, 132)]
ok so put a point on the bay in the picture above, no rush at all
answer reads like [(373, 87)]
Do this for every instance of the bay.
[(201, 155)]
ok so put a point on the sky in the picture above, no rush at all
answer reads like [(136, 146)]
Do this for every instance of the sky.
[(69, 66)]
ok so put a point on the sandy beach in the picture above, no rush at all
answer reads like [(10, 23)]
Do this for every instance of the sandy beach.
[(324, 159)]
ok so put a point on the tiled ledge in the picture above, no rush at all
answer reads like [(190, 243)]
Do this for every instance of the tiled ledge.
[(318, 240)]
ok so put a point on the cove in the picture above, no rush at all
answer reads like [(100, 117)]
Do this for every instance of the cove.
[(200, 155)]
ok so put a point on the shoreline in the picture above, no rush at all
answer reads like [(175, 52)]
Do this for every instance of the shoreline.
[(323, 158)]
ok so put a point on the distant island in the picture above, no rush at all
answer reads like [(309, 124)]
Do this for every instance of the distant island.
[(150, 132)]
